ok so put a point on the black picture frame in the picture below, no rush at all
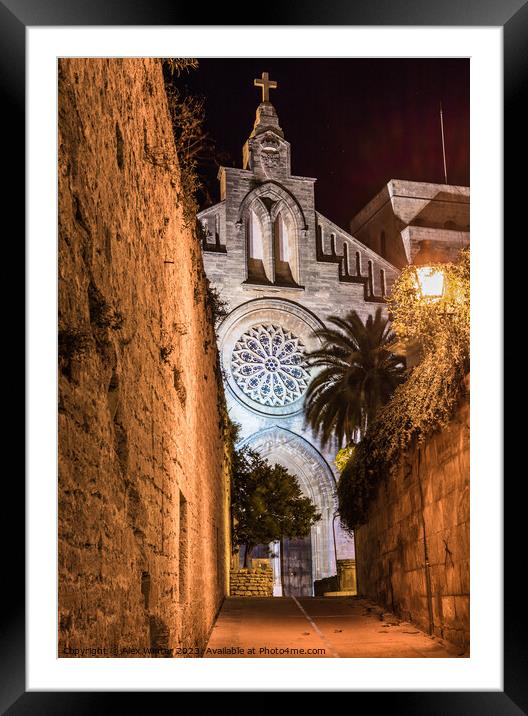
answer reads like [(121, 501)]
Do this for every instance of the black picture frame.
[(15, 16)]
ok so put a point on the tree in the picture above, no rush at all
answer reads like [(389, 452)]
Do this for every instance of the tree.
[(360, 374), (266, 502), (427, 400)]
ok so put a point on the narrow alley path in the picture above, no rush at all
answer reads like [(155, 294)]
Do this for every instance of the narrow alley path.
[(311, 627)]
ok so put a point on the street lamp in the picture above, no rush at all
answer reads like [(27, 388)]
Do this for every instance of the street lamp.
[(430, 278), (430, 282)]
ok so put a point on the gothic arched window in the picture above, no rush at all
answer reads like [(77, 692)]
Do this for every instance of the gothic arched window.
[(255, 249), (283, 250), (283, 240)]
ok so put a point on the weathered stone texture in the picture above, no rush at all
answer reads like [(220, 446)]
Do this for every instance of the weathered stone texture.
[(404, 213), (346, 574), (251, 583), (143, 531), (390, 546)]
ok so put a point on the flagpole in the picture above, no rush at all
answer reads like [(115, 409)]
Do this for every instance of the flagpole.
[(443, 142)]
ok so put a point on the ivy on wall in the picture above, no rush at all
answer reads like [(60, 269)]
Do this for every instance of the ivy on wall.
[(439, 331)]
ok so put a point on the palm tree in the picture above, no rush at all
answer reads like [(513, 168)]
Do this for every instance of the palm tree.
[(359, 375)]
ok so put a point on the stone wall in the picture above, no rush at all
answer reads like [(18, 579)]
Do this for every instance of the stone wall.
[(346, 575), (251, 582), (328, 584), (427, 494), (143, 530), (405, 212)]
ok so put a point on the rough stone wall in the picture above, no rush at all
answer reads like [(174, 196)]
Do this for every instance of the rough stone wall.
[(441, 210), (390, 546), (143, 533), (251, 583)]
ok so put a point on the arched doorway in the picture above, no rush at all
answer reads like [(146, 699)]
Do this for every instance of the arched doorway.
[(302, 561)]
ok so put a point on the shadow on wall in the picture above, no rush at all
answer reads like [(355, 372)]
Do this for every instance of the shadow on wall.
[(413, 552)]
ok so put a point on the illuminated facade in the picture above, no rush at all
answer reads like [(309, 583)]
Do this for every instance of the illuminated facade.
[(283, 268)]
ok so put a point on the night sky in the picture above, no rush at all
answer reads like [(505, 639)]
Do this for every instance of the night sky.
[(352, 123)]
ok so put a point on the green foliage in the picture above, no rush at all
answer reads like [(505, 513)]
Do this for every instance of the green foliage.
[(359, 375), (426, 401), (219, 308), (231, 432), (428, 398), (343, 456), (267, 502), (357, 484), (439, 322)]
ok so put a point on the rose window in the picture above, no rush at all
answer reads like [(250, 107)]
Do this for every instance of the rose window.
[(268, 364)]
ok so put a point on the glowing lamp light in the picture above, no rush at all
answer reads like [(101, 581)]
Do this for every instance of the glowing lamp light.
[(430, 278), (430, 282)]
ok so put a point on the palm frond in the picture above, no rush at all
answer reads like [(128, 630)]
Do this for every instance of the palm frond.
[(359, 374)]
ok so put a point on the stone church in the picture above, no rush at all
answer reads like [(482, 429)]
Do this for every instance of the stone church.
[(283, 268)]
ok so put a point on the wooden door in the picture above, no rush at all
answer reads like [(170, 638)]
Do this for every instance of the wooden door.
[(296, 567)]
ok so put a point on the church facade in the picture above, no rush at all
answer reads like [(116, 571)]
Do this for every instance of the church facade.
[(283, 269)]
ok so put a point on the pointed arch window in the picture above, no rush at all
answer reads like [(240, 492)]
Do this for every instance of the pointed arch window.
[(255, 249), (283, 251), (256, 241)]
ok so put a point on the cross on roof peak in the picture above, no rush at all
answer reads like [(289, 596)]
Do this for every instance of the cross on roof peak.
[(266, 85)]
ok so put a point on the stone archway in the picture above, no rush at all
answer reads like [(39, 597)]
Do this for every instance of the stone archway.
[(316, 480)]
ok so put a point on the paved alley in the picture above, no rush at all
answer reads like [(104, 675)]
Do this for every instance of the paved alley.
[(311, 627)]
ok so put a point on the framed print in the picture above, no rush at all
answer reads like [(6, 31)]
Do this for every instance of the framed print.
[(249, 353)]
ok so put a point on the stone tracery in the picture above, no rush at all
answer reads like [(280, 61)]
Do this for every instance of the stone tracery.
[(269, 365)]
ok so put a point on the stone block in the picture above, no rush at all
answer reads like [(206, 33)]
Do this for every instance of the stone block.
[(448, 610), (462, 612)]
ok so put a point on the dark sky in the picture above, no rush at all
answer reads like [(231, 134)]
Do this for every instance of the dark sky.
[(352, 123)]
